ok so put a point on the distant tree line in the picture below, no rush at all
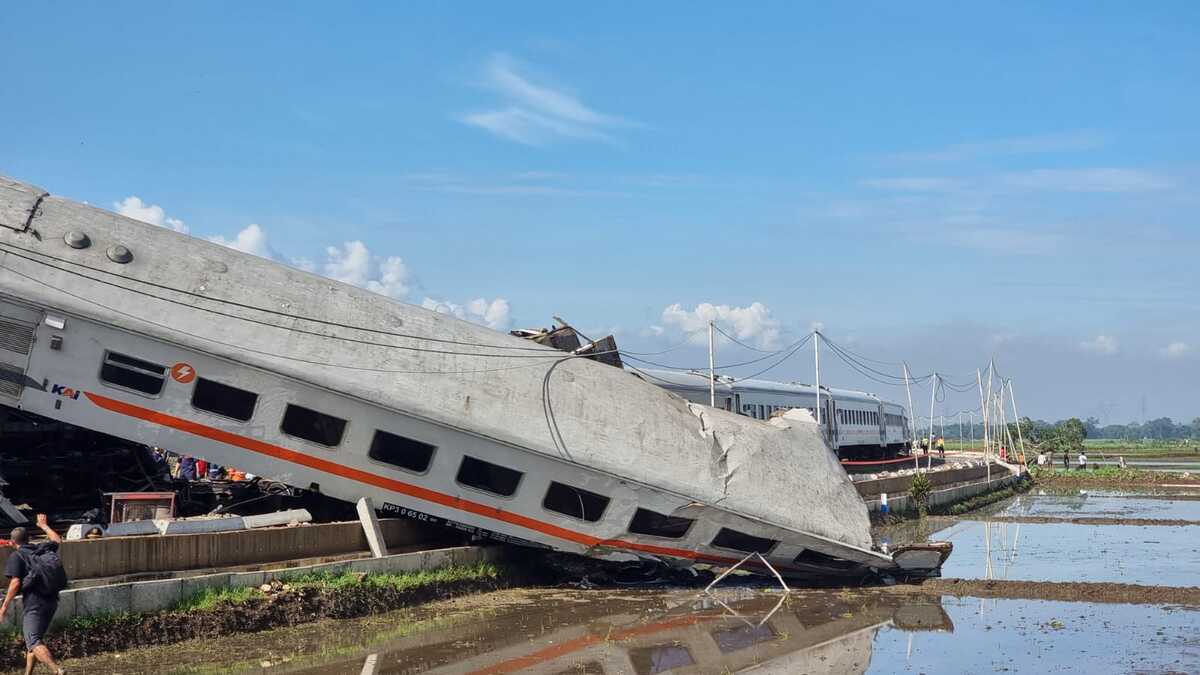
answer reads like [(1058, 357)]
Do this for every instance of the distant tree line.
[(1163, 428)]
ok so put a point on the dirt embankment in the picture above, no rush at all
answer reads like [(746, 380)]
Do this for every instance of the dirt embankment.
[(289, 606), (1055, 590)]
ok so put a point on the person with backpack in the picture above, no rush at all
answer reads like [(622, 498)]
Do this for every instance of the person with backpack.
[(36, 571)]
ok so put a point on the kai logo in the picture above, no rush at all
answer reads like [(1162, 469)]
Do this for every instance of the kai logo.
[(65, 392), (183, 373)]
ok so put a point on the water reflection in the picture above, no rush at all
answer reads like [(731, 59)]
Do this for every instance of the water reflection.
[(1133, 554), (816, 632)]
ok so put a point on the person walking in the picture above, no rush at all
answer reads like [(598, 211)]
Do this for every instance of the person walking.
[(36, 572), (1082, 460)]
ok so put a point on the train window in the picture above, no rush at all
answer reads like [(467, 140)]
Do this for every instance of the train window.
[(575, 502), (405, 453), (818, 559), (222, 399), (658, 525), (130, 373), (740, 541), (311, 425), (499, 480)]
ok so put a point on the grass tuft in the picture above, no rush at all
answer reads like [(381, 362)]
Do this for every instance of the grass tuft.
[(399, 581), (211, 598)]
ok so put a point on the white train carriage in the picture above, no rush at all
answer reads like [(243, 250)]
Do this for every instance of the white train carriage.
[(858, 425), (146, 334)]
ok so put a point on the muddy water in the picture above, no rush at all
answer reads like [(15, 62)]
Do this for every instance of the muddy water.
[(1103, 505), (581, 631), (1147, 555)]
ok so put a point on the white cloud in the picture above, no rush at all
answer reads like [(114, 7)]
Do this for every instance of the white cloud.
[(1101, 344), (354, 263), (251, 239), (494, 314), (753, 323), (535, 113), (1087, 180), (1176, 350), (133, 207)]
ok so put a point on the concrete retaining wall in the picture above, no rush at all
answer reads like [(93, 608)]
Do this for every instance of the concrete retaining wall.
[(901, 484), (153, 596), (117, 556), (900, 502)]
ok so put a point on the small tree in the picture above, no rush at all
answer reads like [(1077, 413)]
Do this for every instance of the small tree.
[(919, 491)]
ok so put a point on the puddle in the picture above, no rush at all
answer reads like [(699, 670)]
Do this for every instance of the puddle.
[(1130, 554), (1103, 505), (641, 632)]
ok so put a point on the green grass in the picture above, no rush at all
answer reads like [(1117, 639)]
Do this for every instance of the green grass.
[(400, 581), (1112, 474), (211, 598), (96, 622), (1143, 449)]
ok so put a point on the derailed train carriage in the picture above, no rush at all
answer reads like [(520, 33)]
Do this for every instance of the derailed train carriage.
[(163, 339)]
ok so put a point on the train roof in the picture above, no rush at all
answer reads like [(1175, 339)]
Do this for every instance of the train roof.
[(698, 380), (94, 264)]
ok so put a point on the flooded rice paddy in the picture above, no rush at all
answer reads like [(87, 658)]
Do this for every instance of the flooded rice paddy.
[(895, 629), (1105, 505), (1128, 554)]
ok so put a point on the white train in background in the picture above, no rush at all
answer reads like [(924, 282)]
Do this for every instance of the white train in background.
[(857, 424)]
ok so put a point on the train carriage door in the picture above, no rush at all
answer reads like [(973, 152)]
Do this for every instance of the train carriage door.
[(17, 327), (830, 420), (882, 426)]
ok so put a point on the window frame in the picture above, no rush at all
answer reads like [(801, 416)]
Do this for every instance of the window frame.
[(552, 483), (388, 465), (341, 439), (495, 495), (104, 362), (253, 409), (686, 533), (712, 542)]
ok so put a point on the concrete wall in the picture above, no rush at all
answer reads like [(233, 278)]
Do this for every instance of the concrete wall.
[(901, 484), (118, 556), (153, 596), (900, 502)]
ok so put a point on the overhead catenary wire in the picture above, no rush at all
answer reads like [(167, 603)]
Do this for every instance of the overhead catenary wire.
[(634, 356), (743, 344)]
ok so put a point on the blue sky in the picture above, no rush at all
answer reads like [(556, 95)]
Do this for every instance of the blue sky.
[(941, 184)]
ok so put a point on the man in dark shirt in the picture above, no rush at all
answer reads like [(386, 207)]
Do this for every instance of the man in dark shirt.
[(38, 607)]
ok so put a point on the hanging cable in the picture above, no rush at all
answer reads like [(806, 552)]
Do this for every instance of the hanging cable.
[(233, 303), (743, 344), (797, 348), (272, 354), (543, 353)]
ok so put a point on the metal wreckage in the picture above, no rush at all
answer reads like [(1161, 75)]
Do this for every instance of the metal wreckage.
[(155, 337)]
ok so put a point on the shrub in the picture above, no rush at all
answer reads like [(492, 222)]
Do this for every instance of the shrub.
[(920, 492)]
